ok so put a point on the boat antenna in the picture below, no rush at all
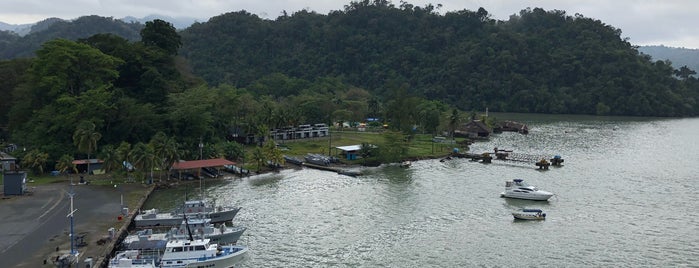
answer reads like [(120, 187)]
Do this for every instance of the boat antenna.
[(186, 225)]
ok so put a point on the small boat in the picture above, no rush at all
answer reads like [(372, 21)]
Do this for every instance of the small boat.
[(201, 253), (350, 172), (317, 159), (529, 214), (293, 160), (517, 188), (406, 164)]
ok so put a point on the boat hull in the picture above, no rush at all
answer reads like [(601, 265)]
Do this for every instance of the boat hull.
[(527, 196), (226, 260), (528, 216)]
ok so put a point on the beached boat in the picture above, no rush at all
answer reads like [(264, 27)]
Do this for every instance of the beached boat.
[(293, 160), (517, 188), (193, 208), (201, 253), (529, 214), (200, 227)]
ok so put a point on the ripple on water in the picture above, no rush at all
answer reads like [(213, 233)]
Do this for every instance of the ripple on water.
[(625, 197)]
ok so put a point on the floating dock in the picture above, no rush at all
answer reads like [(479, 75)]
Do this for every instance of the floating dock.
[(542, 162)]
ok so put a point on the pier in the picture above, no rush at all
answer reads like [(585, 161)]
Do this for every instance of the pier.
[(541, 161)]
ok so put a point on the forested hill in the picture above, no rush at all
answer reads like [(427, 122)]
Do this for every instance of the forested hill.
[(679, 56), (537, 61), (14, 46)]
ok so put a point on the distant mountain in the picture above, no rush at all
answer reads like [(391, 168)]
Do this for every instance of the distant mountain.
[(179, 22), (20, 29), (678, 56), (52, 28)]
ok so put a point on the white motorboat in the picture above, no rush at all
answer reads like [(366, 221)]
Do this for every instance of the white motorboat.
[(200, 228), (201, 253), (517, 188), (529, 214)]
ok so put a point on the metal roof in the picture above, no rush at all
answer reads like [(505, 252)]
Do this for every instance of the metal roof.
[(218, 162)]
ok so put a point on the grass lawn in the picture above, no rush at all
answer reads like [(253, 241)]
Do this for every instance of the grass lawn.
[(421, 147)]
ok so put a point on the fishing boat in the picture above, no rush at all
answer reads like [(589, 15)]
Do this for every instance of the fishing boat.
[(201, 228), (201, 253), (199, 208), (529, 214)]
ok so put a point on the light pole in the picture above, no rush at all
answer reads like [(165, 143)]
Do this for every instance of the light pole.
[(70, 214), (201, 148)]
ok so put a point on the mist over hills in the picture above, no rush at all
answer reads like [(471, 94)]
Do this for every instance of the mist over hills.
[(679, 56)]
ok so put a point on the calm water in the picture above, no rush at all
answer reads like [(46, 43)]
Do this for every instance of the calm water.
[(625, 197)]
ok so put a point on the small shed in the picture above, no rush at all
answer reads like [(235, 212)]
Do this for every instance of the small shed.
[(7, 162), (15, 182), (82, 165), (350, 152), (473, 129)]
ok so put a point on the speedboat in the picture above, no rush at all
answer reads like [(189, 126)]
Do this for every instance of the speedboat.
[(201, 253), (517, 188), (529, 214)]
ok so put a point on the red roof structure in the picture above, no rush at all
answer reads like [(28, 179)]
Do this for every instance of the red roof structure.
[(194, 164)]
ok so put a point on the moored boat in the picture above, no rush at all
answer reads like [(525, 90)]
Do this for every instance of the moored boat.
[(201, 253), (134, 259), (194, 208), (529, 214), (200, 228), (517, 188)]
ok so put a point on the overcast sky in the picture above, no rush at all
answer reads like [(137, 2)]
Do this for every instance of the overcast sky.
[(645, 22)]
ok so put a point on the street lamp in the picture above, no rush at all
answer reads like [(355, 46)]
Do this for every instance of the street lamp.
[(201, 147)]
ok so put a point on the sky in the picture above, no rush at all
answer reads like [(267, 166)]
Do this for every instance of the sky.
[(673, 23)]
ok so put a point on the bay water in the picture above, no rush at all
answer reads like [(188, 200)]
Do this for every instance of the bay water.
[(626, 196)]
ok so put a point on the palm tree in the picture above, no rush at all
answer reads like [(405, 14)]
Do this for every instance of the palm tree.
[(124, 154), (35, 160), (259, 157), (110, 157), (85, 137), (165, 150), (454, 120), (272, 153), (143, 157), (65, 163)]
